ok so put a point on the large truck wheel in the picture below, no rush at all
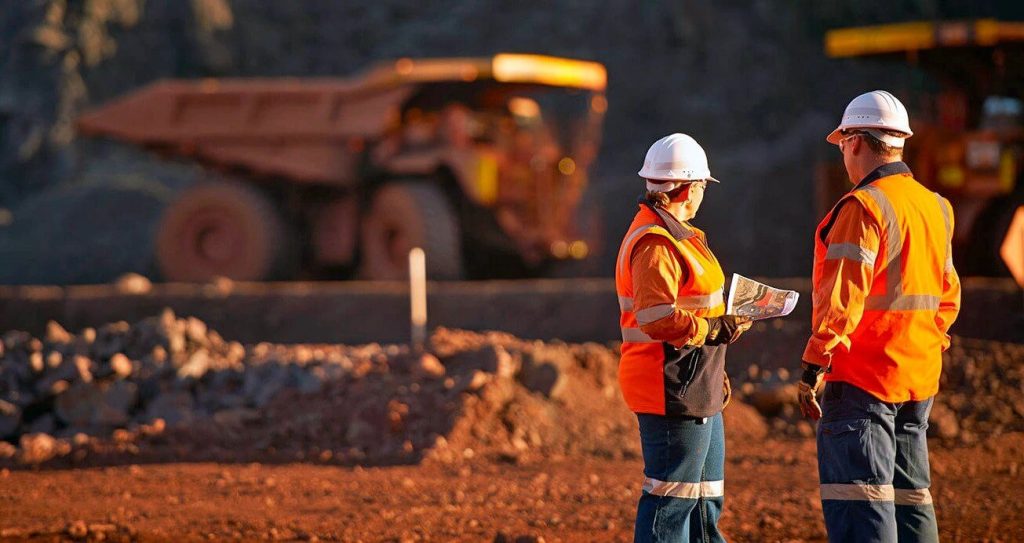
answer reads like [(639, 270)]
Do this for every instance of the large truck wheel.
[(407, 214), (221, 229)]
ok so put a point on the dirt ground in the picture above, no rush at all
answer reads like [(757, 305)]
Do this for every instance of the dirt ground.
[(770, 491)]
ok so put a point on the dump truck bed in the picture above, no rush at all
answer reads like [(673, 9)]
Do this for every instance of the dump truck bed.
[(310, 129)]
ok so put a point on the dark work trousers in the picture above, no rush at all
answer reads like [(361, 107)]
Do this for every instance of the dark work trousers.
[(683, 493), (873, 468)]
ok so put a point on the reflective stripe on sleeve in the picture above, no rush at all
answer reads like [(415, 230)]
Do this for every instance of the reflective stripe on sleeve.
[(706, 301), (913, 496), (910, 302), (851, 251), (654, 313), (706, 489), (625, 303), (641, 230), (853, 492), (636, 335)]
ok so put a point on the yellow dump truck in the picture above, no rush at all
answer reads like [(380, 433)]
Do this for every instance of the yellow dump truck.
[(480, 161), (968, 122)]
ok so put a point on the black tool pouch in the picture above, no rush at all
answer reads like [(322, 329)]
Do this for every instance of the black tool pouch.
[(693, 380)]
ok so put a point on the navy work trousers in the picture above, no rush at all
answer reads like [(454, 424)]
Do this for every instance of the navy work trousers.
[(873, 468), (683, 492)]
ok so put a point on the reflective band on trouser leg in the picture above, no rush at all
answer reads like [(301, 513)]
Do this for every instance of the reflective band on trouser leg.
[(854, 492), (851, 251), (706, 489), (913, 496)]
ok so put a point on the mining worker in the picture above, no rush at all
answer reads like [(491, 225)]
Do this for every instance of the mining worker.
[(885, 295), (674, 337)]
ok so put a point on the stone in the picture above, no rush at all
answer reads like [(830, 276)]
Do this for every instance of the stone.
[(545, 378), (133, 283), (427, 366), (89, 404), (7, 450), (38, 448), (121, 365), (56, 334), (10, 418), (70, 371), (196, 367), (489, 358), (174, 407), (45, 424)]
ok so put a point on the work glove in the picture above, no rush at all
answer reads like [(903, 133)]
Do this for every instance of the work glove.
[(727, 391), (807, 389), (726, 329)]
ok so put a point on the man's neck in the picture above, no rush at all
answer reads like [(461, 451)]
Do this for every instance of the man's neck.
[(870, 165)]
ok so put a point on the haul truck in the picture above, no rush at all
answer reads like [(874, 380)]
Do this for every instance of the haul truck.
[(968, 141), (482, 162)]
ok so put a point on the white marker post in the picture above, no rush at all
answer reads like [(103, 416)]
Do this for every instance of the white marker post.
[(418, 297)]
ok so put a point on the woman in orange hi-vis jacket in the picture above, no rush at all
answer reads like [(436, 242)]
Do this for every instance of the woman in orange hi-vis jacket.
[(674, 337)]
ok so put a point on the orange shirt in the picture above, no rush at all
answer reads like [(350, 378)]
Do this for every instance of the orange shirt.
[(657, 275)]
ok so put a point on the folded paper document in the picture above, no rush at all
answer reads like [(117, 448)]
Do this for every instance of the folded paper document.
[(748, 298)]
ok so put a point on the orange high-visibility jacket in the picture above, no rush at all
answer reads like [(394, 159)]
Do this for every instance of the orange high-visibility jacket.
[(885, 290), (656, 372)]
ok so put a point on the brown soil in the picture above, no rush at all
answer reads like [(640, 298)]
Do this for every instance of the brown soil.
[(771, 496), (484, 437)]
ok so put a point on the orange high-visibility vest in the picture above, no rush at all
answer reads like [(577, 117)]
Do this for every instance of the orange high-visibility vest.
[(896, 349), (642, 364)]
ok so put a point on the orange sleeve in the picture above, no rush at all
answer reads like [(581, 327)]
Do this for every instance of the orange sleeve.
[(949, 303), (657, 274), (846, 276)]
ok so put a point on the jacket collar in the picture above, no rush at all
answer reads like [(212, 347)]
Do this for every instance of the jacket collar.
[(679, 230), (885, 170)]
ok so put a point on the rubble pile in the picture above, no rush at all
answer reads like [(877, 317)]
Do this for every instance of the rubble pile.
[(981, 393), (168, 388)]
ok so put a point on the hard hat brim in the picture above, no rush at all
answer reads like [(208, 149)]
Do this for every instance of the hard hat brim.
[(670, 185), (837, 134)]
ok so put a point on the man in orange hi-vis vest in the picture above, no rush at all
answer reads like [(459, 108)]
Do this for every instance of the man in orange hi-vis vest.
[(674, 336), (885, 295)]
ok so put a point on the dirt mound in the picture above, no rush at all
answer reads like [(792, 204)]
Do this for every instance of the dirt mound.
[(168, 388)]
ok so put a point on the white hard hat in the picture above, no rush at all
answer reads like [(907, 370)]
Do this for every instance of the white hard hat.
[(874, 112), (676, 157)]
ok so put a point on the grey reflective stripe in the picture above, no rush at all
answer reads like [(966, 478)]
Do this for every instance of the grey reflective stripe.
[(625, 303), (894, 299), (636, 335), (623, 253), (913, 496), (910, 302), (949, 234), (706, 301), (852, 492), (706, 489), (851, 251), (655, 312), (893, 244)]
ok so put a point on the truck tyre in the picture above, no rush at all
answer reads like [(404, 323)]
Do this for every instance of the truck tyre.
[(221, 229), (407, 214)]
